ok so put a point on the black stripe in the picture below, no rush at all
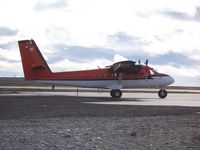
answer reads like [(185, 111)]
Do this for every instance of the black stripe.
[(86, 79)]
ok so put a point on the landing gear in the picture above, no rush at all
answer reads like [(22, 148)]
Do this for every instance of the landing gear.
[(162, 93), (116, 93)]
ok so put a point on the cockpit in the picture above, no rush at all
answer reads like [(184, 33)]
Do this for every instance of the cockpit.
[(153, 71), (131, 67)]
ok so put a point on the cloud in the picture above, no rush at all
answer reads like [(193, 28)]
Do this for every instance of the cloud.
[(9, 68), (9, 56), (50, 4), (197, 14), (61, 52), (9, 52), (68, 65), (175, 59), (11, 74), (123, 37), (2, 58), (118, 58), (5, 31), (178, 15), (7, 45), (184, 16), (171, 58), (125, 44)]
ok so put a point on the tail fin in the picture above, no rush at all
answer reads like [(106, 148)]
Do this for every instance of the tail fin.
[(34, 65)]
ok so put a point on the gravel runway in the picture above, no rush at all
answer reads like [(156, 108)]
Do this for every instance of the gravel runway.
[(69, 122)]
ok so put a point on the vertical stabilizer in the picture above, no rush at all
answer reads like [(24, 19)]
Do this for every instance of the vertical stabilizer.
[(34, 65)]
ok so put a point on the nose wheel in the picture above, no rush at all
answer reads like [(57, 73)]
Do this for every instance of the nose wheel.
[(116, 93), (162, 93)]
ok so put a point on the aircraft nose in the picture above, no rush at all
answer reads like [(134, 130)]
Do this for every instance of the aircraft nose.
[(170, 80)]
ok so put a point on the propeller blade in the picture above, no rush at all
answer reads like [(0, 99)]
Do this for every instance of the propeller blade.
[(147, 61)]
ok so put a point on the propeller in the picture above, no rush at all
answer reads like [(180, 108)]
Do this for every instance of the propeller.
[(146, 62)]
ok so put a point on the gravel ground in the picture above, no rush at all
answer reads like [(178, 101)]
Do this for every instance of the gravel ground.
[(60, 123), (170, 132)]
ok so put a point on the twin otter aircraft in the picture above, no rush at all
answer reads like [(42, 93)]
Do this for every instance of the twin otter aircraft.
[(125, 74)]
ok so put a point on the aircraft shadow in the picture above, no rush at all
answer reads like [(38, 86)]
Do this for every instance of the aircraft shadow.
[(38, 107)]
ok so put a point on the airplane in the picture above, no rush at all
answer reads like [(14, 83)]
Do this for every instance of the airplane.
[(124, 74)]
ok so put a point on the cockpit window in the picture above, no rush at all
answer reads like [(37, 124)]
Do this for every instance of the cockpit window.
[(136, 68), (152, 71)]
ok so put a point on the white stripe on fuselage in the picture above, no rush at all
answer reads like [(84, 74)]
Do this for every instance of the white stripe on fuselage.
[(156, 82)]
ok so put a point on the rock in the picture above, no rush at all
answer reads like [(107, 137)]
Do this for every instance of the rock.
[(93, 139), (98, 138), (133, 134), (67, 136)]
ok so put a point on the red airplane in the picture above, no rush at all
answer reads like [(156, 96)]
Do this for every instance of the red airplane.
[(124, 74)]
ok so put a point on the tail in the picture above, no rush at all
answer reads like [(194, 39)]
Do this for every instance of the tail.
[(34, 65)]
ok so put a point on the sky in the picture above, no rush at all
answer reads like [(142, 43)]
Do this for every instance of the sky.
[(87, 34)]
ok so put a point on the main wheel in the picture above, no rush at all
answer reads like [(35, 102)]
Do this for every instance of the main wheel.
[(162, 93), (116, 93), (112, 93)]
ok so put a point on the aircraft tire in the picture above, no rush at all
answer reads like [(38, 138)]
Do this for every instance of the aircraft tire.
[(162, 93), (112, 93), (116, 93)]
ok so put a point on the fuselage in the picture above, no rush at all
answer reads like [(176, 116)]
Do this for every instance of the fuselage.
[(104, 78)]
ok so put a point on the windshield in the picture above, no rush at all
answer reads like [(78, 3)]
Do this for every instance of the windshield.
[(152, 71)]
